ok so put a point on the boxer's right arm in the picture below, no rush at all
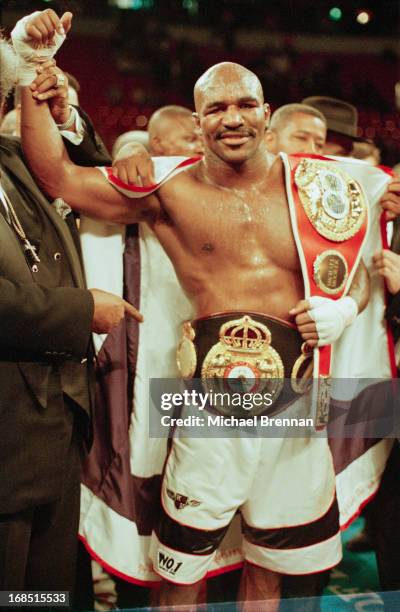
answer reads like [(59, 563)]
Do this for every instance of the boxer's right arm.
[(84, 189)]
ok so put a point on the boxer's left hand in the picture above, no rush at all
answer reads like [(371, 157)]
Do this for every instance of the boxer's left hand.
[(390, 201), (321, 320), (49, 86), (134, 166)]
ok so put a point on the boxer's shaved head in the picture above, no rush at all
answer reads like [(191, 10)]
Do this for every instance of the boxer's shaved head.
[(230, 112), (228, 76)]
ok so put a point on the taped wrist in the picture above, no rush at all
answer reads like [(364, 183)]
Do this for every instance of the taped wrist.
[(28, 55), (332, 317)]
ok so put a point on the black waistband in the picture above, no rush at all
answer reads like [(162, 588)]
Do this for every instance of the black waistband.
[(285, 338)]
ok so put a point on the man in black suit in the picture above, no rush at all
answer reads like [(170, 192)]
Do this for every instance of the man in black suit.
[(47, 316), (387, 507)]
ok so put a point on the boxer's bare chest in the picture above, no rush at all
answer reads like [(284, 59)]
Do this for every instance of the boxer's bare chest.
[(247, 226)]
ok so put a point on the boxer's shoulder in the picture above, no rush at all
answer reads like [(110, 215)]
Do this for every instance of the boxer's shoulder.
[(188, 178)]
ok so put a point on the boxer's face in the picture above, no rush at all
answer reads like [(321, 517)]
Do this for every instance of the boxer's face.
[(232, 116)]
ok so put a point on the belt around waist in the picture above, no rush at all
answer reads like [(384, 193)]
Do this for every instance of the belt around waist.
[(246, 352)]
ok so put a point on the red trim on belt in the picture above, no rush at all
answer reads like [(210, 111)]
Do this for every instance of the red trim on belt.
[(313, 244)]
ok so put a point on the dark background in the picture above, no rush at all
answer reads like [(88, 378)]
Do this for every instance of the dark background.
[(131, 61)]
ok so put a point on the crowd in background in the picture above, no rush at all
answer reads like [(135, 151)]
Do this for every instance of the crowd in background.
[(295, 54)]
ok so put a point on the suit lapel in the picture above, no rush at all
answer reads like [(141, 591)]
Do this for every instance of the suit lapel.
[(11, 255), (13, 261), (17, 167)]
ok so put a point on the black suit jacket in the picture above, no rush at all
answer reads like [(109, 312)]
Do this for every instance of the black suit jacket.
[(92, 151), (44, 335)]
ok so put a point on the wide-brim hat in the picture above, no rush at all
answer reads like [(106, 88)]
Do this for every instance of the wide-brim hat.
[(341, 117)]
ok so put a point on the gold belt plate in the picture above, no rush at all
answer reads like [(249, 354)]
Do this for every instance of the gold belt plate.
[(330, 271), (332, 199), (186, 357), (244, 361)]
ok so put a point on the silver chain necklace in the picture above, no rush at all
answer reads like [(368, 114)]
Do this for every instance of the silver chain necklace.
[(15, 223)]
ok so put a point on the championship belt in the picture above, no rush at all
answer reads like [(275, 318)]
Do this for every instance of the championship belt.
[(244, 361), (245, 353), (186, 357), (329, 221)]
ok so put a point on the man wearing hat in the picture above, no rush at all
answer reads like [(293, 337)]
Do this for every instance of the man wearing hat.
[(342, 122)]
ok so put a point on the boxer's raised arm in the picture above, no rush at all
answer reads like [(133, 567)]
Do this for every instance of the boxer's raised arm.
[(84, 189), (35, 39)]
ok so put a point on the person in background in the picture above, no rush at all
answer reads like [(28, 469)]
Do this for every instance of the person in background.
[(342, 140), (127, 137), (367, 151), (342, 122), (172, 131), (296, 128), (386, 516)]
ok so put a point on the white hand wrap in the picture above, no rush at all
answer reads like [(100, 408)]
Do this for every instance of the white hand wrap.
[(28, 55), (331, 317)]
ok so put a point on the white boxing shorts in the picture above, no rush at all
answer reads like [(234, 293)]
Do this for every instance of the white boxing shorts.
[(284, 489)]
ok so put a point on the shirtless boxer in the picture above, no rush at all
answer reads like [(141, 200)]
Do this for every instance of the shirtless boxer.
[(224, 223)]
